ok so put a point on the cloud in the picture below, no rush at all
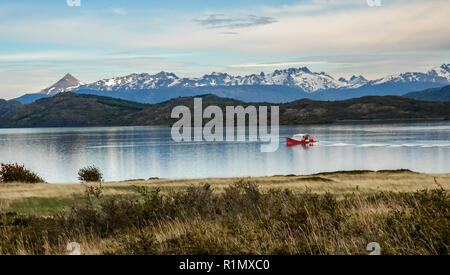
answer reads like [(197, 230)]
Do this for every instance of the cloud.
[(214, 20), (313, 6), (70, 31), (281, 64), (221, 21), (400, 26), (119, 11), (301, 8), (229, 33), (32, 56)]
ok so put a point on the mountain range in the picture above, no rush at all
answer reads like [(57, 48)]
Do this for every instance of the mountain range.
[(71, 109), (280, 86)]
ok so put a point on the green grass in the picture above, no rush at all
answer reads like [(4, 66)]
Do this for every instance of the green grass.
[(41, 206), (45, 207)]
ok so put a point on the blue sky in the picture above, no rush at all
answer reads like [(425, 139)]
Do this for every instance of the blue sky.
[(42, 40)]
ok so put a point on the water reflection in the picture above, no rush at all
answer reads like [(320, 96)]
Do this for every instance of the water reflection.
[(143, 152)]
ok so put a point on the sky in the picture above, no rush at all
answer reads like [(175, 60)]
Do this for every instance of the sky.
[(42, 40)]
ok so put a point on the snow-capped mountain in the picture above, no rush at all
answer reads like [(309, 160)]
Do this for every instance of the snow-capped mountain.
[(67, 83), (280, 86), (438, 75), (134, 82), (301, 78), (354, 81), (304, 79)]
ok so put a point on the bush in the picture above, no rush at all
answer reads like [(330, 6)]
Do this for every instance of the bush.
[(17, 173), (90, 173)]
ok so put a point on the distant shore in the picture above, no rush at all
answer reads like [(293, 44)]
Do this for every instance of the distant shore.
[(91, 110), (393, 120), (337, 122)]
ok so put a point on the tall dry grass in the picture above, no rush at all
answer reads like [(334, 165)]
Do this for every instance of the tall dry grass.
[(241, 219)]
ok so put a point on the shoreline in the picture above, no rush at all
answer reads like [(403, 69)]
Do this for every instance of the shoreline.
[(231, 178), (337, 122), (155, 180)]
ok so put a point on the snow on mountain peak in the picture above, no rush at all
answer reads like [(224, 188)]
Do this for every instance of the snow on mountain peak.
[(67, 83), (442, 71), (439, 74), (445, 67), (301, 77), (294, 77), (292, 71), (357, 78), (166, 75), (357, 81)]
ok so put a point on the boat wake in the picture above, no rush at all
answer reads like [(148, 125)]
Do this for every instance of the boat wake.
[(419, 145)]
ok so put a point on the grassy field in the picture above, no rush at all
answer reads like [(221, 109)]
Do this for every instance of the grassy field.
[(328, 213)]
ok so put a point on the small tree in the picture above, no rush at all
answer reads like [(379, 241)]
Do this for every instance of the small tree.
[(89, 174), (13, 172)]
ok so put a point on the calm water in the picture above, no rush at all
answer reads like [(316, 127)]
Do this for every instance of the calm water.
[(142, 152)]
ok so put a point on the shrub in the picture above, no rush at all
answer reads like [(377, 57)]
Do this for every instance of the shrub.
[(90, 173), (17, 173)]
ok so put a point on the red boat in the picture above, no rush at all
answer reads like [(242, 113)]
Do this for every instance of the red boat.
[(300, 139)]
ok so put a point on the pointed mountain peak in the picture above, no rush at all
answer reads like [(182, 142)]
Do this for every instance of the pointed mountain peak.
[(441, 71), (166, 75), (67, 83), (304, 69), (445, 67), (292, 71), (359, 78), (217, 74), (68, 78)]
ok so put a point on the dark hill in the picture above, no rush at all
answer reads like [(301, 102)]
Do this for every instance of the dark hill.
[(435, 94), (9, 106), (364, 108), (70, 109)]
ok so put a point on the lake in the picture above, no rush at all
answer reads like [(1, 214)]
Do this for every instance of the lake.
[(124, 153)]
